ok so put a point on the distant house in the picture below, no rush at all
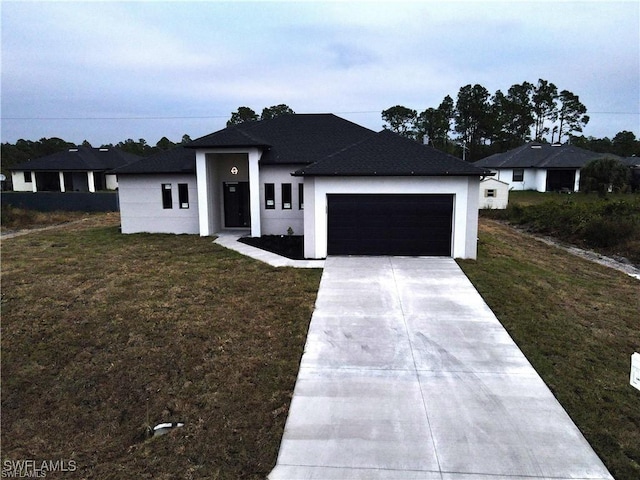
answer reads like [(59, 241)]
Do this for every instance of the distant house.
[(494, 194), (347, 189), (634, 164), (540, 166), (77, 169)]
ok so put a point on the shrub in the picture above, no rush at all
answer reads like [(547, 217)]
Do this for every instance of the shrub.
[(607, 232), (604, 175)]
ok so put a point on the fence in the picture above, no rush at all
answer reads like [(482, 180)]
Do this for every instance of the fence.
[(69, 201)]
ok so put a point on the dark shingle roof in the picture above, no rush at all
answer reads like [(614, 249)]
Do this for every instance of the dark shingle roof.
[(79, 159), (541, 155), (389, 154), (631, 161), (176, 160), (289, 139)]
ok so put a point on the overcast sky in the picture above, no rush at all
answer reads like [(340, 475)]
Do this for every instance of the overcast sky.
[(108, 71)]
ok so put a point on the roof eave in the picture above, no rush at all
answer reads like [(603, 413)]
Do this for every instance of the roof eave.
[(375, 174), (240, 145)]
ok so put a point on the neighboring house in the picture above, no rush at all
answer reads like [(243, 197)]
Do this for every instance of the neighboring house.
[(494, 194), (634, 164), (347, 189), (77, 169), (541, 166)]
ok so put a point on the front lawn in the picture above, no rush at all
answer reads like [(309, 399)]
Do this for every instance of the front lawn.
[(105, 335)]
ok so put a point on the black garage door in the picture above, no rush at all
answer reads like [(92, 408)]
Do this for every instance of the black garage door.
[(389, 224)]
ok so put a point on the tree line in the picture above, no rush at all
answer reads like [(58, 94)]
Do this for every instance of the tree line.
[(472, 127), (478, 124)]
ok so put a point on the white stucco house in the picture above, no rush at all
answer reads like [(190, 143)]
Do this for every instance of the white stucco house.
[(494, 194), (540, 166), (76, 169), (347, 189)]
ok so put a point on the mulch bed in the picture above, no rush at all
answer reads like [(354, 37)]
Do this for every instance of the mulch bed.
[(290, 246)]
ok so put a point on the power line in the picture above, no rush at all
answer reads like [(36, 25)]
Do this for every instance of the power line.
[(205, 117)]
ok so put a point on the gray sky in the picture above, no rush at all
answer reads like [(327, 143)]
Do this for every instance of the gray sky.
[(108, 71)]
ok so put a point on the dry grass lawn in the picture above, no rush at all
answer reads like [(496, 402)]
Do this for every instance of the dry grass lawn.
[(105, 335), (578, 324)]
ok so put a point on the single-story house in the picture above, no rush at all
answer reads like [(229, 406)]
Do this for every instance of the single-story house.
[(77, 169), (347, 189), (541, 166), (494, 194)]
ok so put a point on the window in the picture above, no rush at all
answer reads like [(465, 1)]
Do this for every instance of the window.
[(167, 201), (269, 196), (490, 192), (301, 196), (286, 196), (27, 177), (518, 174), (183, 195)]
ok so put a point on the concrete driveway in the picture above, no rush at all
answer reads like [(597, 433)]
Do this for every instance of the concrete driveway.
[(407, 374)]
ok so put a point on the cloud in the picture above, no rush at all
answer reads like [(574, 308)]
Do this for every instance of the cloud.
[(117, 59)]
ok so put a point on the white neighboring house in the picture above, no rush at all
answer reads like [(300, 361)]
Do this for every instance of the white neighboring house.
[(494, 194), (77, 169), (541, 166), (347, 189)]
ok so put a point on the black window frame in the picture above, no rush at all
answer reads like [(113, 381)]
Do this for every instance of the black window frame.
[(518, 175), (270, 196), (28, 178), (287, 196), (167, 196), (183, 195), (301, 196)]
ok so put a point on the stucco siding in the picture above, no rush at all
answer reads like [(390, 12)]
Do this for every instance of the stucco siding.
[(465, 211), (141, 204), (19, 185), (111, 181), (533, 179), (278, 220)]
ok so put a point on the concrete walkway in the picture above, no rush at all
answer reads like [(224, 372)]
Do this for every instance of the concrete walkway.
[(407, 374), (230, 240)]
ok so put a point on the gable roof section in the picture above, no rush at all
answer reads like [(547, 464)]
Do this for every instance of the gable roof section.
[(176, 160), (389, 154), (79, 159), (541, 155), (289, 139)]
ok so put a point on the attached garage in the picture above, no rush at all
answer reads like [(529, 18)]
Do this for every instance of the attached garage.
[(389, 224), (389, 195)]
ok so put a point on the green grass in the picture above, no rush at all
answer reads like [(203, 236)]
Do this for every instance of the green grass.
[(104, 335), (609, 225), (578, 324), (531, 197)]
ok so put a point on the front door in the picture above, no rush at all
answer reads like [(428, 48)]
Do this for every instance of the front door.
[(236, 204)]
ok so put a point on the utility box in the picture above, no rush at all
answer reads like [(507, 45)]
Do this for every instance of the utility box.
[(635, 370)]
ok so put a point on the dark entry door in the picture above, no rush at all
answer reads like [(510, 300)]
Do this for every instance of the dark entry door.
[(236, 204), (390, 224)]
